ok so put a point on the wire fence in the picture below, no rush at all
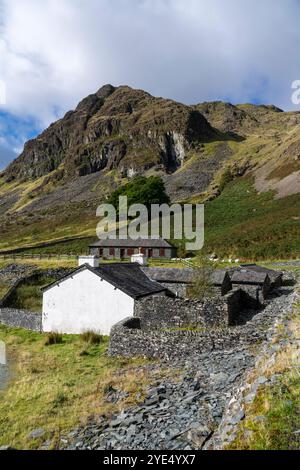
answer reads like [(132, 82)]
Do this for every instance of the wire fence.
[(71, 257), (16, 256)]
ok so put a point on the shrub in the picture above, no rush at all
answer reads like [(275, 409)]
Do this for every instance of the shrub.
[(53, 338), (202, 286), (91, 337)]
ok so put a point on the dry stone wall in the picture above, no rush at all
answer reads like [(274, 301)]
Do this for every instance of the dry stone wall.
[(21, 319), (164, 312), (129, 340)]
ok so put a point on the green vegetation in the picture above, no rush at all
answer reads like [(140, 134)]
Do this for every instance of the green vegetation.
[(73, 247), (30, 229), (41, 263), (280, 408), (141, 190), (202, 286), (226, 177), (239, 223), (242, 223), (59, 387), (28, 294)]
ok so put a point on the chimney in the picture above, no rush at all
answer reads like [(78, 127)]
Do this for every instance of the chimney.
[(92, 261), (139, 258)]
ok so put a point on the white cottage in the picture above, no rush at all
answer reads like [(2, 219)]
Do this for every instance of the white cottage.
[(95, 297)]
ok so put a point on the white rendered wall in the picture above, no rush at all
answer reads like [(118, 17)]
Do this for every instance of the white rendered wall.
[(83, 303), (90, 260)]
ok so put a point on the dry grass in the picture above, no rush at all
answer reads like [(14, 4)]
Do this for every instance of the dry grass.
[(91, 337), (57, 387), (53, 338), (41, 263)]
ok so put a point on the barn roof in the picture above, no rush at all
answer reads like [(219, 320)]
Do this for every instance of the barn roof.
[(219, 276), (128, 277), (129, 243), (245, 276), (272, 273), (176, 275), (183, 275)]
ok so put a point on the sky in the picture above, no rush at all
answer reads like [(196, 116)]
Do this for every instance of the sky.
[(55, 52)]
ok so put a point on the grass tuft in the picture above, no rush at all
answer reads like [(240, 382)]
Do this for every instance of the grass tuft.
[(53, 338), (91, 337)]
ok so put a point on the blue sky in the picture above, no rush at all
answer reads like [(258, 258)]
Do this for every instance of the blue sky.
[(55, 52)]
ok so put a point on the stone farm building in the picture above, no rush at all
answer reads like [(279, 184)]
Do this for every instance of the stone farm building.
[(124, 249), (257, 284), (179, 280), (95, 298), (274, 276)]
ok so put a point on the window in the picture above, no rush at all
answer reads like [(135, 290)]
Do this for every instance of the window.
[(162, 252), (130, 251), (111, 252)]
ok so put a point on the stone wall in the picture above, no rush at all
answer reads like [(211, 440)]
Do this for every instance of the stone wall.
[(129, 340), (21, 319), (163, 312)]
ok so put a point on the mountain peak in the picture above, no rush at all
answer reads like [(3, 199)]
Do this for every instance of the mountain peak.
[(105, 91)]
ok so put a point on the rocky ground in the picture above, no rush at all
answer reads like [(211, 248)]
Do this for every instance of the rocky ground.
[(185, 412)]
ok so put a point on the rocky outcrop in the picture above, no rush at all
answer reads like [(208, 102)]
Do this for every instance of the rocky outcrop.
[(115, 128)]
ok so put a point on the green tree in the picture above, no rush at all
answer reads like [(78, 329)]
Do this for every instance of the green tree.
[(141, 190)]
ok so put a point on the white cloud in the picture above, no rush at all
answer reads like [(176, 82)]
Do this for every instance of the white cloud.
[(54, 52)]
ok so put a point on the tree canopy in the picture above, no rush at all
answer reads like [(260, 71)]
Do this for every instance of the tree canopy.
[(141, 190)]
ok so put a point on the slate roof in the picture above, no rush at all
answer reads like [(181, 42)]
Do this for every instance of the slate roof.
[(128, 277), (128, 243), (176, 275), (245, 276), (183, 276), (219, 276), (272, 273)]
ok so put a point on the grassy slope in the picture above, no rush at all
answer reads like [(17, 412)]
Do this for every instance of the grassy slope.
[(239, 223), (278, 405), (58, 387), (249, 225)]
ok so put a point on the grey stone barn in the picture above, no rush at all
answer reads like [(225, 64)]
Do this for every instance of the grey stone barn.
[(275, 276), (178, 281), (124, 249), (256, 284)]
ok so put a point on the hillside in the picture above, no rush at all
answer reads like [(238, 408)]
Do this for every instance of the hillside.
[(206, 152)]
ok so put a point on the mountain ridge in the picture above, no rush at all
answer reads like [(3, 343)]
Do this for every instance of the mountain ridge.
[(119, 132)]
